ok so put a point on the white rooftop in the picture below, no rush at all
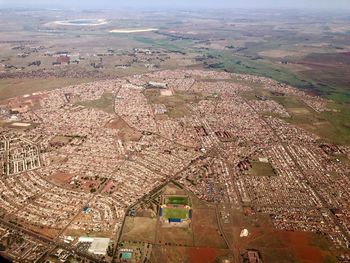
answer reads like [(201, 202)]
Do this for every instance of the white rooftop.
[(86, 239), (99, 246)]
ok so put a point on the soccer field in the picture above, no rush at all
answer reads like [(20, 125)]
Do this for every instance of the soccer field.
[(176, 200), (175, 213)]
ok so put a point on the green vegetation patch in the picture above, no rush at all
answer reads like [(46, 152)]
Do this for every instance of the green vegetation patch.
[(104, 103), (329, 84), (333, 125), (170, 44), (177, 104), (261, 169), (177, 200), (175, 213)]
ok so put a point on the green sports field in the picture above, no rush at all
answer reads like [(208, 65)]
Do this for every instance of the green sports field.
[(175, 213), (176, 200)]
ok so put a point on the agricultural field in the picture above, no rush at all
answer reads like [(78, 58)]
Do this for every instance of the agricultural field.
[(311, 54)]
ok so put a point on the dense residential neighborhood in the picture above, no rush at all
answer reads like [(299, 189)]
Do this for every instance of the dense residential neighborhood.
[(72, 167)]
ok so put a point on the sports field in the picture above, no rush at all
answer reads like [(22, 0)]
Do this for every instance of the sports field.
[(175, 213), (176, 200)]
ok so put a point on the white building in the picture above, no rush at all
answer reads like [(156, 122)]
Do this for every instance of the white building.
[(157, 85), (99, 246)]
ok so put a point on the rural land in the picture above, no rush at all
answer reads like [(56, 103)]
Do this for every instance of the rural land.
[(174, 136)]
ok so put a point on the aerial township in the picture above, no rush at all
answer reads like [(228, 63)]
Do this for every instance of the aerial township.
[(76, 167)]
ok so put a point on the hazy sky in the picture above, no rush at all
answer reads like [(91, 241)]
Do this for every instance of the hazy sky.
[(298, 4)]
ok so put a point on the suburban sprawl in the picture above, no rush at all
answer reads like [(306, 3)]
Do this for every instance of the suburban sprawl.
[(75, 171), (171, 136)]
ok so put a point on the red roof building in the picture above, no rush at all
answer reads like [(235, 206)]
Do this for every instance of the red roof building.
[(63, 60)]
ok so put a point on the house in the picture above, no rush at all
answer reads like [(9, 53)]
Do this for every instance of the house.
[(62, 60)]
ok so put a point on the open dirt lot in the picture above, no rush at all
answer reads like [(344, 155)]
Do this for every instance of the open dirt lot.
[(139, 229)]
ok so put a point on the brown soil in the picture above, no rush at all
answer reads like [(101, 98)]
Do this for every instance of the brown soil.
[(126, 132), (200, 255), (61, 178)]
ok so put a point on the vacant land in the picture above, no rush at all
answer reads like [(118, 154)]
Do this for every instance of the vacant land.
[(199, 255), (61, 178), (293, 247), (261, 169), (205, 229), (179, 236), (104, 103), (176, 105), (126, 133), (183, 254), (139, 229), (169, 254), (275, 245), (16, 87)]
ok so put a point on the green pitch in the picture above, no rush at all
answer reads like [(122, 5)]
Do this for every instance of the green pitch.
[(175, 213), (176, 200)]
